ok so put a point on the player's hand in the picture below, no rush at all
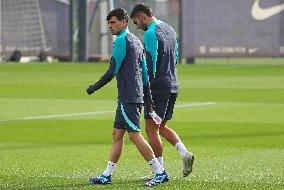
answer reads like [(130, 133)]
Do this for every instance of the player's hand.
[(90, 90)]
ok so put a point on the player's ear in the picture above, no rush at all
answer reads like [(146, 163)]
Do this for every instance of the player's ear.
[(142, 16), (124, 23)]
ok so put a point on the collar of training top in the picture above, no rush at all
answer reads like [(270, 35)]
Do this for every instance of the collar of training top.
[(154, 23), (123, 32)]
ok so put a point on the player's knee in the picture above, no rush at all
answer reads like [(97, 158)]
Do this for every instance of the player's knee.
[(150, 130), (116, 136), (133, 136)]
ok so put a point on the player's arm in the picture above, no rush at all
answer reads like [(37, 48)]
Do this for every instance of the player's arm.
[(146, 84), (118, 55), (151, 47), (107, 77), (148, 101)]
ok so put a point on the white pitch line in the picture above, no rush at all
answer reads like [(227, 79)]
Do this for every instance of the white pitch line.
[(98, 112), (196, 104), (58, 116)]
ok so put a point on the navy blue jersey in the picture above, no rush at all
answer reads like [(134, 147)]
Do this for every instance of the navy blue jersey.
[(161, 55), (129, 66)]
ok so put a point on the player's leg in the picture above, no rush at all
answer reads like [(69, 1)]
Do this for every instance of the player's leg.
[(131, 115), (171, 136), (117, 144), (116, 149), (145, 149), (152, 129), (142, 145)]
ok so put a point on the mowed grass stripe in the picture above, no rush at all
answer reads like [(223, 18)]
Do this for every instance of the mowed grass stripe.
[(238, 143), (214, 166), (97, 112)]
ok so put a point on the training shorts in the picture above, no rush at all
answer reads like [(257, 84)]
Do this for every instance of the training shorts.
[(128, 117), (164, 105)]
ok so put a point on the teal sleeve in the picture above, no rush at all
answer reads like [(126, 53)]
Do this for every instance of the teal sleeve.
[(151, 46), (119, 52), (145, 76), (177, 54)]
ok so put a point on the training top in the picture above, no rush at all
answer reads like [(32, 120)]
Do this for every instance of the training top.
[(128, 64), (161, 56)]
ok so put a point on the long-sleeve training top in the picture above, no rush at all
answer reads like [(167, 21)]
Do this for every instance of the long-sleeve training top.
[(129, 66), (161, 56)]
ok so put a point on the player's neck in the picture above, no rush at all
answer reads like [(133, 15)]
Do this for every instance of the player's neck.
[(151, 20), (123, 29)]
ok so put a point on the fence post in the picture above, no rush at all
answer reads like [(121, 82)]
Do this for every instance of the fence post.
[(83, 32)]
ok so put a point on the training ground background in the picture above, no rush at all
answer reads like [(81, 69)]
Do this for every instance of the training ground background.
[(229, 113)]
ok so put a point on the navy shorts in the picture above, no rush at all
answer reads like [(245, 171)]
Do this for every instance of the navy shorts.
[(164, 105), (128, 117)]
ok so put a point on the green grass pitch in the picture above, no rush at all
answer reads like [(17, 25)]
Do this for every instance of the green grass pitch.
[(229, 113)]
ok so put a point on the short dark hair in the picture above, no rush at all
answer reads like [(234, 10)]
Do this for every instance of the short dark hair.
[(141, 7), (119, 13)]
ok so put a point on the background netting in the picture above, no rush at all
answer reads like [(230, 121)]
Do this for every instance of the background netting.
[(34, 25)]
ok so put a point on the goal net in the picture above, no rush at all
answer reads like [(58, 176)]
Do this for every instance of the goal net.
[(21, 28)]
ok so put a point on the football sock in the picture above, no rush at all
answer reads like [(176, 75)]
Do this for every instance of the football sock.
[(109, 169), (156, 166), (161, 161), (181, 149)]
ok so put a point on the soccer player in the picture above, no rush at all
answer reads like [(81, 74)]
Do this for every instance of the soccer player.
[(161, 56), (129, 66)]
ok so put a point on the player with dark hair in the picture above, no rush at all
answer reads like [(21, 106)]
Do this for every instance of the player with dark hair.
[(161, 56), (129, 66)]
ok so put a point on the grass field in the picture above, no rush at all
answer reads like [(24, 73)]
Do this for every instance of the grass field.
[(230, 113)]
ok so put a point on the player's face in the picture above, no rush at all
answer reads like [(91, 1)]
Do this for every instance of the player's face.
[(139, 22), (115, 26)]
